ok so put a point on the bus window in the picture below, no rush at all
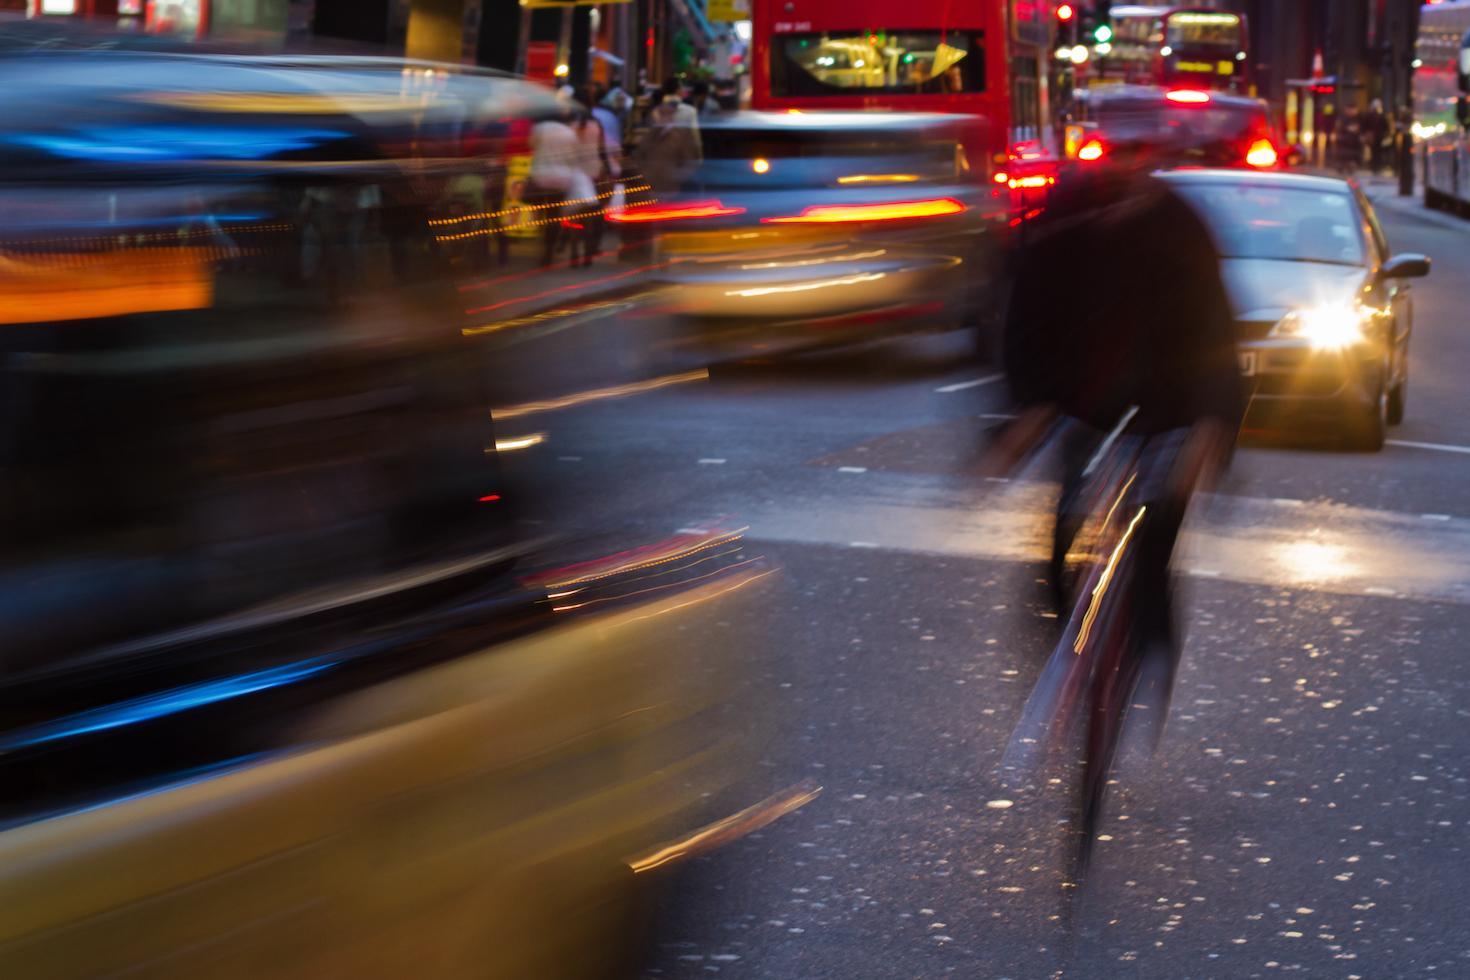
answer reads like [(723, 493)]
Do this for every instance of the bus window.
[(869, 62), (1138, 30), (1189, 29)]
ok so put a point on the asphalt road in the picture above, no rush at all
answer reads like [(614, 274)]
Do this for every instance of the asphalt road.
[(1307, 813)]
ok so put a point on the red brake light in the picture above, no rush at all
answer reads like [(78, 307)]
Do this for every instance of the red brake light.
[(832, 213), (1001, 177), (668, 212), (1092, 150), (1261, 154), (1187, 95)]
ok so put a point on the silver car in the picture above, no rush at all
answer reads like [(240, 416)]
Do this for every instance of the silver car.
[(1324, 310)]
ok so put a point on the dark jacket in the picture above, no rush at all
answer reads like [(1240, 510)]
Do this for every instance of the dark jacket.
[(1117, 301)]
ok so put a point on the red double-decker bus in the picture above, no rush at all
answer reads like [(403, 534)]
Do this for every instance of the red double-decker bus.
[(1191, 47), (987, 59)]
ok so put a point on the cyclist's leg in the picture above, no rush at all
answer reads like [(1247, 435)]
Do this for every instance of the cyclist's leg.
[(1151, 589), (1139, 641)]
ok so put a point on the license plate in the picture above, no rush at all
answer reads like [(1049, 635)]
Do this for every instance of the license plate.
[(1247, 362)]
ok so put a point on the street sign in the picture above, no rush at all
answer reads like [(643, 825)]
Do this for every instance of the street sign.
[(728, 10)]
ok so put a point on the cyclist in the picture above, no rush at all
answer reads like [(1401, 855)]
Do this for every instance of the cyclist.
[(1118, 320)]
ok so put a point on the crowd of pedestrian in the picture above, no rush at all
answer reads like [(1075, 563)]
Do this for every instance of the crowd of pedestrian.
[(1363, 139), (581, 165)]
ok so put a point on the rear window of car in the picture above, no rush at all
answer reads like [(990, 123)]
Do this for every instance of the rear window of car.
[(1256, 221), (1139, 119), (729, 143), (814, 158)]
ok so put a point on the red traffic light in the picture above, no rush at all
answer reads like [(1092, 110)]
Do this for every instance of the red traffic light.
[(1066, 12)]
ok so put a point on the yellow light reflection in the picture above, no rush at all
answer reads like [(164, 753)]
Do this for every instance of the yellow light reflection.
[(877, 178), (581, 398), (1107, 577), (804, 286), (520, 442)]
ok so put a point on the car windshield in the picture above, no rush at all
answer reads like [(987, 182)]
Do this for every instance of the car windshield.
[(1256, 221)]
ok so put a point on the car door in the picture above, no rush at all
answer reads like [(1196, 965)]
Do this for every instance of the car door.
[(1396, 292)]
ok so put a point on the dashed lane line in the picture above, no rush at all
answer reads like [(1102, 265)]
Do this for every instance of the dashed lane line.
[(1436, 446), (961, 386)]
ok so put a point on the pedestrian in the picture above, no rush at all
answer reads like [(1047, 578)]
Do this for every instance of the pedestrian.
[(1374, 127), (684, 113), (619, 101), (612, 129), (704, 102), (560, 185), (668, 152), (1349, 143), (585, 222)]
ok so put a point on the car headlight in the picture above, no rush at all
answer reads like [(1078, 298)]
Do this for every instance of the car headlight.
[(1324, 327)]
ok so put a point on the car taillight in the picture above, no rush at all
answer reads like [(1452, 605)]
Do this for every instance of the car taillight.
[(1187, 95), (835, 213), (1092, 150), (669, 212), (1261, 154)]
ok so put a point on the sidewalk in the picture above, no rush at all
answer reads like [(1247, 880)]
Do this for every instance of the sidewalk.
[(1384, 193)]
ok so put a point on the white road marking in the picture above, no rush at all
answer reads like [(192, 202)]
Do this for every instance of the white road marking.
[(1436, 446), (852, 469), (970, 384), (711, 462), (1328, 547), (1435, 517)]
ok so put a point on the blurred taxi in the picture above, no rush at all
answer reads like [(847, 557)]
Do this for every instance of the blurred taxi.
[(1324, 308), (287, 690), (815, 228), (1210, 129)]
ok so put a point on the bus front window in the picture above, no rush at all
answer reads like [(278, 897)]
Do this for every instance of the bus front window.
[(1190, 30), (868, 62)]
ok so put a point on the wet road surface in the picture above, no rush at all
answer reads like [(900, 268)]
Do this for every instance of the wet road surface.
[(1307, 813)]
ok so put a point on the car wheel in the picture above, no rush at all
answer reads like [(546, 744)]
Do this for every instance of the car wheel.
[(1370, 424), (1395, 408)]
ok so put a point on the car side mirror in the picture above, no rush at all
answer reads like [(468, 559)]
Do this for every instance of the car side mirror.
[(1462, 111), (1405, 265), (1295, 156)]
